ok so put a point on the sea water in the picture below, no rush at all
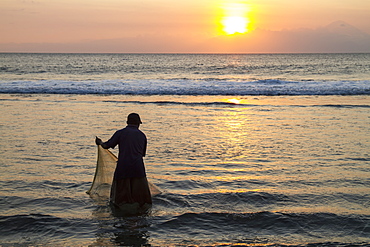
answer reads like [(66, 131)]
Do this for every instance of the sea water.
[(247, 149)]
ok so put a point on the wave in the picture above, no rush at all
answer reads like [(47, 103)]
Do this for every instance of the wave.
[(187, 87), (344, 106), (268, 227), (160, 102), (218, 103), (254, 201), (191, 219), (40, 229), (271, 220), (264, 228)]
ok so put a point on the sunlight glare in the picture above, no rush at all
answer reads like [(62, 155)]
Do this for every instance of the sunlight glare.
[(235, 18), (235, 24), (234, 101)]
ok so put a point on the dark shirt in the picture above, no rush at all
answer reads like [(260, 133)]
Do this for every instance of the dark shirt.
[(132, 148)]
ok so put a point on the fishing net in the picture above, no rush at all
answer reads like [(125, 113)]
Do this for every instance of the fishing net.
[(105, 166)]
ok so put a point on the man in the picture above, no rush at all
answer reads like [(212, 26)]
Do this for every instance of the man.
[(129, 182)]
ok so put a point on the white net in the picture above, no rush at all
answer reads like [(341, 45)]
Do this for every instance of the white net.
[(105, 166)]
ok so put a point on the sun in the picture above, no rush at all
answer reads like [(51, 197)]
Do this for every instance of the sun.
[(235, 24), (235, 18)]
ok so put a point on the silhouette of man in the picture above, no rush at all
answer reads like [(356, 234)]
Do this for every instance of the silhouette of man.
[(130, 184)]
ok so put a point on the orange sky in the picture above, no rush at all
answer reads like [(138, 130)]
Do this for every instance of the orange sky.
[(181, 26)]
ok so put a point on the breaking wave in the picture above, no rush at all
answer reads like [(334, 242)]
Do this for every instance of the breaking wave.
[(187, 87)]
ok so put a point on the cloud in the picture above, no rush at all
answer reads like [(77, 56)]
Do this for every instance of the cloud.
[(338, 37)]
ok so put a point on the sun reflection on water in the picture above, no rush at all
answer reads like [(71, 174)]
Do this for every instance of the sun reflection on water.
[(236, 101), (233, 101)]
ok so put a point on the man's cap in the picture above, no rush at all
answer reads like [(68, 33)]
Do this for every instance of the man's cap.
[(133, 118)]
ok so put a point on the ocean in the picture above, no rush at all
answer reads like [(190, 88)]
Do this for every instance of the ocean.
[(247, 149)]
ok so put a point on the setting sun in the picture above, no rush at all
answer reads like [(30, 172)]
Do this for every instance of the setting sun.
[(235, 24), (235, 18)]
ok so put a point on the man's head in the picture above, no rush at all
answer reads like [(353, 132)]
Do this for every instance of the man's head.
[(134, 118)]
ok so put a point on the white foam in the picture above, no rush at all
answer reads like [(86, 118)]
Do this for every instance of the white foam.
[(188, 87)]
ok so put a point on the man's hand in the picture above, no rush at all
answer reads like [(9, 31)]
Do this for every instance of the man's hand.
[(98, 141)]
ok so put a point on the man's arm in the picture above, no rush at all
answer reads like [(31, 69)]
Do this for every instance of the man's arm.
[(98, 141)]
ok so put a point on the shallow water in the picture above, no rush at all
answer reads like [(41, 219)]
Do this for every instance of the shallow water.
[(279, 170)]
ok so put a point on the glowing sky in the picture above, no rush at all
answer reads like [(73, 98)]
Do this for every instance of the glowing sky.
[(183, 26)]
